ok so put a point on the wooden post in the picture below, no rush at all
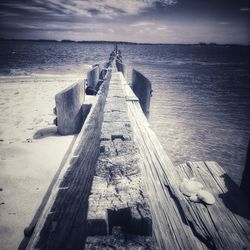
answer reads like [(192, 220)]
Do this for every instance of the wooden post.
[(245, 182), (120, 65), (68, 107), (93, 77), (116, 48), (112, 56), (142, 88)]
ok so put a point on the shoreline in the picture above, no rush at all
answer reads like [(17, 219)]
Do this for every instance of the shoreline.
[(124, 42)]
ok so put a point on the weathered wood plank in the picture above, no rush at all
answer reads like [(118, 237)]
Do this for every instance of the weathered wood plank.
[(218, 222), (63, 224), (68, 108), (119, 241), (171, 228), (232, 197), (117, 196)]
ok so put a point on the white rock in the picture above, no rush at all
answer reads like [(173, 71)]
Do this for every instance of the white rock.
[(205, 196), (190, 187)]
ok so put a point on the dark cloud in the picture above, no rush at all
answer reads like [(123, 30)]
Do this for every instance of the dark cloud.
[(155, 20)]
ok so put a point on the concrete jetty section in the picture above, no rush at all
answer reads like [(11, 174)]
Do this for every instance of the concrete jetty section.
[(119, 189)]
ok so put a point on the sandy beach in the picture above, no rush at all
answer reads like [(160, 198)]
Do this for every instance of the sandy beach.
[(30, 149)]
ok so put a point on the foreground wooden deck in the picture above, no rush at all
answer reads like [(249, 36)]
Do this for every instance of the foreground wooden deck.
[(119, 189)]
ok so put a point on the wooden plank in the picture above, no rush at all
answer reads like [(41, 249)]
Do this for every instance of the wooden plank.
[(130, 95), (117, 195), (233, 198), (63, 223), (171, 228), (216, 221), (68, 108)]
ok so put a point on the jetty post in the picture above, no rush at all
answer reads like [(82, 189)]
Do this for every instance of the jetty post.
[(93, 76), (69, 109), (142, 88)]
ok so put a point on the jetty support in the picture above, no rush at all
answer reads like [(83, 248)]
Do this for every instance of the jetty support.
[(119, 64), (93, 76), (69, 109), (142, 88)]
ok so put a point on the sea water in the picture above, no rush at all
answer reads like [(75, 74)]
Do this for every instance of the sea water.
[(200, 109)]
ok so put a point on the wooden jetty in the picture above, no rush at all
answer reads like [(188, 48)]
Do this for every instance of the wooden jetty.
[(119, 189)]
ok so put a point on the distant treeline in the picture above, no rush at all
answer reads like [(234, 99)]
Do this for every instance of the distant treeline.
[(119, 42)]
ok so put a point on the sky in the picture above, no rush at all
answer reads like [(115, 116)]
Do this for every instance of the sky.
[(150, 21)]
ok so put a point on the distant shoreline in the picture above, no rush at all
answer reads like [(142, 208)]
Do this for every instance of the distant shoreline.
[(124, 42)]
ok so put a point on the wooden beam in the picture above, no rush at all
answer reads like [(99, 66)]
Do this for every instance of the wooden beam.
[(117, 196), (62, 225)]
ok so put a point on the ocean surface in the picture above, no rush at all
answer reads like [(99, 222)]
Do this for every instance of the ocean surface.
[(200, 107)]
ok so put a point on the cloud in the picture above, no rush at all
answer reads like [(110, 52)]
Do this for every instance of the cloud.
[(162, 28), (84, 8), (142, 24)]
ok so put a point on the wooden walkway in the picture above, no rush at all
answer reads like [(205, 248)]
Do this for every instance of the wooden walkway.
[(120, 190)]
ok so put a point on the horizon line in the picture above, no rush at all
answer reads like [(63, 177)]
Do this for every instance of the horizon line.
[(121, 42)]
